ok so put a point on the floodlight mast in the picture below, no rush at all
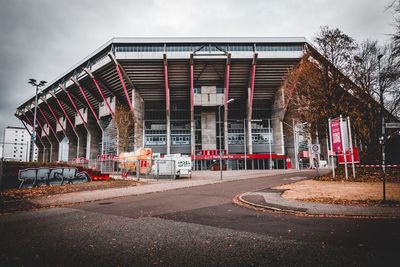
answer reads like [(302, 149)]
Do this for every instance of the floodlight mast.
[(33, 138), (220, 135)]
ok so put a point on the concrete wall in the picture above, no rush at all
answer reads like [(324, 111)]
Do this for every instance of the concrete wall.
[(82, 134), (78, 119), (278, 114), (208, 130), (103, 108), (209, 97), (138, 114), (94, 136)]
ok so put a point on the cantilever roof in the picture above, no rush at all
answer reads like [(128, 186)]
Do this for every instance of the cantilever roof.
[(165, 40)]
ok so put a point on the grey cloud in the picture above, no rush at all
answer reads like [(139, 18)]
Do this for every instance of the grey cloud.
[(43, 38)]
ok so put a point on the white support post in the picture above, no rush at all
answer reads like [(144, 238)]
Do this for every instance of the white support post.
[(282, 139), (331, 148), (351, 148), (343, 148), (270, 145), (296, 154), (318, 155)]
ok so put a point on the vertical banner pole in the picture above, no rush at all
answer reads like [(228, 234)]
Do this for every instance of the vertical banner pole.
[(296, 154), (331, 148), (327, 149), (351, 148), (269, 141), (318, 155), (343, 148)]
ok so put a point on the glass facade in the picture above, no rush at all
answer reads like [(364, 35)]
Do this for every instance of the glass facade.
[(210, 47)]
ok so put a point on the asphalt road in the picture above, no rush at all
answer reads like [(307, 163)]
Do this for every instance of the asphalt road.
[(197, 226)]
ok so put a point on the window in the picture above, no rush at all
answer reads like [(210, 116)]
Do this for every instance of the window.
[(279, 47), (197, 90), (220, 90)]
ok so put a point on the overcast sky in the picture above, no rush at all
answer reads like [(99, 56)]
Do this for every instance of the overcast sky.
[(43, 38)]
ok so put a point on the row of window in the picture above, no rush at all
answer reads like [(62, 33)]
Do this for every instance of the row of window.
[(162, 140), (209, 48), (219, 90)]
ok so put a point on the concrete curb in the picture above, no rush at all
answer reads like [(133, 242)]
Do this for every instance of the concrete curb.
[(288, 210), (367, 212)]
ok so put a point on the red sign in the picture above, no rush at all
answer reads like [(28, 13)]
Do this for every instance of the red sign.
[(304, 154), (288, 163), (240, 156), (348, 156), (336, 135), (143, 163)]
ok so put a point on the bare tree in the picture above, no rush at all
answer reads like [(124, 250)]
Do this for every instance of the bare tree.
[(341, 78), (394, 6), (316, 84), (124, 120)]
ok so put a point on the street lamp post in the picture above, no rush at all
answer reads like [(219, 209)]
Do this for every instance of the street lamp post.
[(382, 139), (33, 139), (220, 135), (245, 144)]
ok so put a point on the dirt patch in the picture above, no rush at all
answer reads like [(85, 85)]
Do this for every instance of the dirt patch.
[(341, 192), (19, 199)]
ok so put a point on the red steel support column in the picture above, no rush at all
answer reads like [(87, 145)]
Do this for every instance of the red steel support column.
[(100, 91), (87, 100), (65, 114), (74, 105), (40, 126), (250, 104), (167, 104), (166, 85), (227, 76), (47, 136), (30, 123), (55, 117), (192, 129), (191, 88), (251, 91), (37, 135), (124, 86), (47, 121)]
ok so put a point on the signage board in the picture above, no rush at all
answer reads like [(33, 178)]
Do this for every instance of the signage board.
[(392, 125), (316, 149), (348, 157), (336, 136), (239, 156)]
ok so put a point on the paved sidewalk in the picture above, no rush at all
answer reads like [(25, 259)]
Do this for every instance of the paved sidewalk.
[(152, 186), (272, 199)]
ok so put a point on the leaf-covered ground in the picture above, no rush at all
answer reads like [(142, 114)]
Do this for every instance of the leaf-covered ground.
[(19, 199), (342, 192), (363, 174)]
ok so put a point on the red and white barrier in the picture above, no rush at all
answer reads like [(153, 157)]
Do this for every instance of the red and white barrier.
[(377, 165)]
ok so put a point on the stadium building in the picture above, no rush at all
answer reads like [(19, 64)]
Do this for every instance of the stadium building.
[(194, 96)]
